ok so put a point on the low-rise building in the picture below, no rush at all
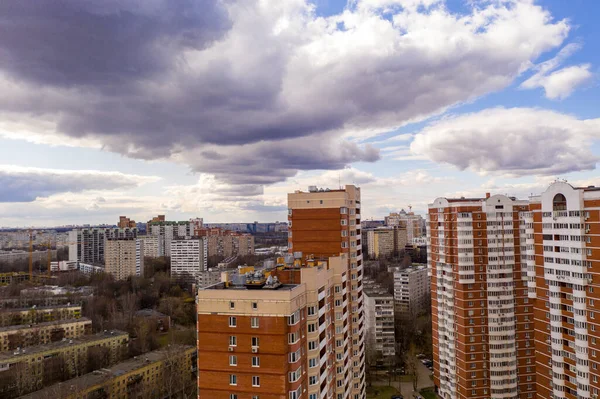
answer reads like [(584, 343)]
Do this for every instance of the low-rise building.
[(153, 317), (32, 368), (41, 314), (88, 268), (21, 336), (411, 290), (379, 322), (156, 374), (63, 266)]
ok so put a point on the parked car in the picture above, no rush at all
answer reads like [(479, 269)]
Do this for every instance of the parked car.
[(397, 397)]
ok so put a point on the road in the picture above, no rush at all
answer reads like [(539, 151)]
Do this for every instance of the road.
[(406, 388)]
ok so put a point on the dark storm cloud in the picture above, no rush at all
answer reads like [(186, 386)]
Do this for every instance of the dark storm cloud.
[(251, 91), (102, 43)]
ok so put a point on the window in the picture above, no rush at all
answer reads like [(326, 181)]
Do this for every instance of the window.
[(231, 305), (312, 327), (233, 360), (255, 361), (312, 345), (312, 380), (232, 321), (233, 396), (255, 381), (311, 310), (312, 362), (254, 322), (232, 340), (232, 379), (254, 341), (254, 305)]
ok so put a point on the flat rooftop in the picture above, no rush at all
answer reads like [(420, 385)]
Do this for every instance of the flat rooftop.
[(7, 356), (245, 287), (98, 377), (50, 307), (42, 325)]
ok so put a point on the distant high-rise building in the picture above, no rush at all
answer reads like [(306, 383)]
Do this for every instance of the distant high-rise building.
[(151, 246), (414, 224), (167, 231), (87, 245), (125, 222), (226, 243), (385, 241), (483, 330), (412, 290), (124, 257), (325, 223), (188, 258)]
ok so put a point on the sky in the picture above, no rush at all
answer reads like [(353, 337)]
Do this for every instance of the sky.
[(219, 108)]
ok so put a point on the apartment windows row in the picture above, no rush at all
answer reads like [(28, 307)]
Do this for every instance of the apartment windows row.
[(254, 322), (233, 379), (233, 361), (233, 341)]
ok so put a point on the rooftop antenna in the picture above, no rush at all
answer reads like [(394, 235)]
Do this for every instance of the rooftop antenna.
[(340, 179)]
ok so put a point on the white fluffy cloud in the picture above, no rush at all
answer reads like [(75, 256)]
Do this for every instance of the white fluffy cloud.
[(559, 84), (25, 184), (516, 141), (254, 91)]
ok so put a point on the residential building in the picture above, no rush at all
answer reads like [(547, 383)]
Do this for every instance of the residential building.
[(167, 231), (87, 268), (561, 244), (414, 224), (125, 222), (151, 317), (188, 258), (208, 277), (385, 241), (156, 374), (324, 223), (20, 336), (280, 332), (88, 245), (124, 257), (63, 266), (30, 369), (226, 243), (152, 245), (38, 314), (379, 322), (483, 330), (412, 290)]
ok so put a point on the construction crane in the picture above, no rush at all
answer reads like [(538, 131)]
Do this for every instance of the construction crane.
[(50, 256)]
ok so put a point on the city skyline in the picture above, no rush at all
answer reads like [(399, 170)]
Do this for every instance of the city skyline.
[(219, 111)]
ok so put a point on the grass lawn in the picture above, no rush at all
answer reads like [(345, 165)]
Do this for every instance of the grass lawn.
[(428, 393), (381, 392)]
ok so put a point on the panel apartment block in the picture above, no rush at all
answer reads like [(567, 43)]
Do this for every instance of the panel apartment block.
[(482, 317)]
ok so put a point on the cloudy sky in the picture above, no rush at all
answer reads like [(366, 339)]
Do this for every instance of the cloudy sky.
[(218, 108)]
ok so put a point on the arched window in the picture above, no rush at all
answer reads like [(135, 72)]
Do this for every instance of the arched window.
[(559, 203)]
